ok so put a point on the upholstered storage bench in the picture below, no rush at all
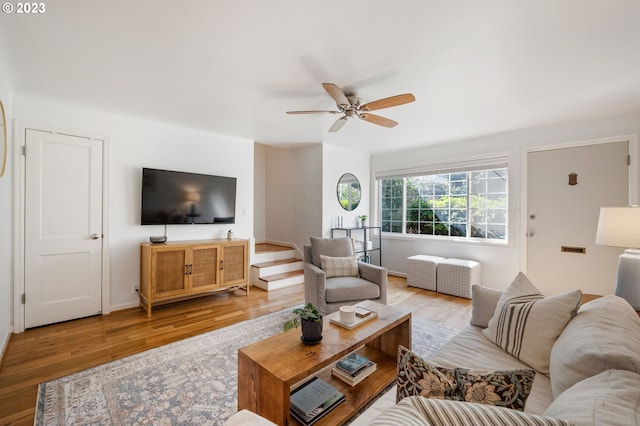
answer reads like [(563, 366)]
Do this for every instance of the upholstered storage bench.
[(456, 276), (421, 271)]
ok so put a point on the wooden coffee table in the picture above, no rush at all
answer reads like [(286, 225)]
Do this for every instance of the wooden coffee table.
[(269, 369)]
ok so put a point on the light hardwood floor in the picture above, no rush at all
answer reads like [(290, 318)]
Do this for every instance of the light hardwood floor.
[(46, 353)]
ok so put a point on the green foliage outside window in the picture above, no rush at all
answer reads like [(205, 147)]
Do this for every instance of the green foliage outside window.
[(462, 204)]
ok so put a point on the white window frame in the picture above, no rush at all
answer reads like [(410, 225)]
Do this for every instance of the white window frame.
[(485, 163)]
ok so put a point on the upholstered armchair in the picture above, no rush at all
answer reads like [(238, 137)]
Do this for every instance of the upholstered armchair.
[(333, 277)]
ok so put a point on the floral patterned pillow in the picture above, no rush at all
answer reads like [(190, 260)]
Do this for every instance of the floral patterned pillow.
[(416, 377)]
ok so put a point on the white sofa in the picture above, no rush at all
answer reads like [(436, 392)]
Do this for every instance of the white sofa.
[(593, 375)]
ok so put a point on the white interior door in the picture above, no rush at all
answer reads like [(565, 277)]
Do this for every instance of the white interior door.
[(562, 218), (63, 227)]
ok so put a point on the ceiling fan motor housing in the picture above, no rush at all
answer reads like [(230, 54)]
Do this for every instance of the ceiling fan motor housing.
[(354, 100)]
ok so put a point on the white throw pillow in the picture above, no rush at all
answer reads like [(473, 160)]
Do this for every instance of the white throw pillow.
[(526, 324), (339, 266), (484, 301)]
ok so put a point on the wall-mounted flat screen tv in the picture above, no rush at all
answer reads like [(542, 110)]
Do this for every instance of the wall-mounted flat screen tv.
[(170, 197)]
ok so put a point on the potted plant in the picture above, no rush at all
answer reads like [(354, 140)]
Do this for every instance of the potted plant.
[(363, 219), (311, 322)]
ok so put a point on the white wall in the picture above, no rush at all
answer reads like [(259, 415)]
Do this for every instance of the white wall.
[(293, 206), (300, 190), (336, 162), (134, 143), (279, 195), (500, 263), (259, 192), (307, 205), (6, 221)]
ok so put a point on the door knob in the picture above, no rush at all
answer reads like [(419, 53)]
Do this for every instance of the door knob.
[(95, 236)]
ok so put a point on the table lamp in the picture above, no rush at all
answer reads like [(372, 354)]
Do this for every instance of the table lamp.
[(620, 227)]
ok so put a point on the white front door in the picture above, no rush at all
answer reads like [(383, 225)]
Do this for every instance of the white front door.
[(63, 227), (562, 217)]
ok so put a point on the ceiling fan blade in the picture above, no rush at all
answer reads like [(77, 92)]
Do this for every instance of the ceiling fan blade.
[(336, 93), (376, 119), (388, 102), (313, 112), (338, 124)]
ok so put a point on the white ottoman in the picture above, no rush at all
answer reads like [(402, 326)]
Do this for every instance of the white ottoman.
[(421, 271), (456, 276)]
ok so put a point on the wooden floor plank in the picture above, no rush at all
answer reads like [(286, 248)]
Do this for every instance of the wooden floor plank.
[(46, 353)]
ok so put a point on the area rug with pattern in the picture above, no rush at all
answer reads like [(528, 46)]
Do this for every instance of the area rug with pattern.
[(193, 381)]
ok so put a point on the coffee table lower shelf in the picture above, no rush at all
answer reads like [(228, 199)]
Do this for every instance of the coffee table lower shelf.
[(356, 397)]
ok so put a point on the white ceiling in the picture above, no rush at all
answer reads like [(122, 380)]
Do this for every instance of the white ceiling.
[(234, 67)]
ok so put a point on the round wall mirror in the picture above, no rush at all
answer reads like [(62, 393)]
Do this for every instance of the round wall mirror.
[(3, 140), (349, 191)]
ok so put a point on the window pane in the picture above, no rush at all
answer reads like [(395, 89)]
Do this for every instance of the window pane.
[(497, 186), (459, 230), (458, 216), (496, 216), (441, 229), (477, 216), (497, 231)]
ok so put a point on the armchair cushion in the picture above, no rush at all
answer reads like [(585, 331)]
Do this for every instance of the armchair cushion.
[(339, 266), (347, 289), (336, 247)]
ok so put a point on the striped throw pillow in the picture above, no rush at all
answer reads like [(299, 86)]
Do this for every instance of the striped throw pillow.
[(526, 324), (419, 411), (339, 266)]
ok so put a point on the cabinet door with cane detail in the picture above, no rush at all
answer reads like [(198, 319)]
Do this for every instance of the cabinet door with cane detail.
[(234, 263), (204, 267), (170, 272)]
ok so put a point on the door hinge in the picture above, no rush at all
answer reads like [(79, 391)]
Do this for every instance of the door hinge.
[(628, 160), (24, 298), (24, 150)]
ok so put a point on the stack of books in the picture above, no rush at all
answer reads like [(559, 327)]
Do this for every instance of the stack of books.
[(313, 400), (354, 368)]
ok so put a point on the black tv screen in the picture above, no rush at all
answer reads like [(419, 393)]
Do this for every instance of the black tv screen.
[(170, 197)]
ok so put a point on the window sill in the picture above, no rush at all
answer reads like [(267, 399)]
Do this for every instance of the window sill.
[(437, 238)]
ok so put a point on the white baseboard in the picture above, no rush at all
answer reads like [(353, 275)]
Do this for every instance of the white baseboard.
[(123, 306), (5, 344)]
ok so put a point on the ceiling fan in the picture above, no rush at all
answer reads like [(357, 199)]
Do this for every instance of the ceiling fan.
[(351, 105)]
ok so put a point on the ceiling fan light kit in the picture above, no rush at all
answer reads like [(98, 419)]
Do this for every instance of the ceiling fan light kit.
[(350, 104)]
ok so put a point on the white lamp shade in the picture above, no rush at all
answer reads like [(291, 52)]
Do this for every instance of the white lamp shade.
[(619, 227)]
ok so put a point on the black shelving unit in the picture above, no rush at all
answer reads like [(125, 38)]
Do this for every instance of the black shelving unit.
[(366, 230)]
